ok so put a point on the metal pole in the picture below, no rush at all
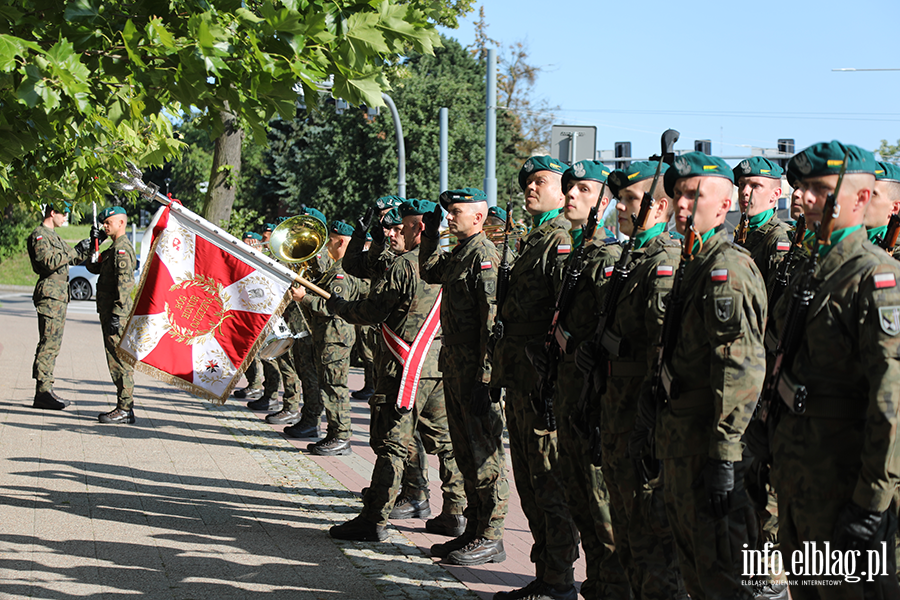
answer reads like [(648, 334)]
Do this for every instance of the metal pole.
[(401, 149), (490, 121), (442, 116)]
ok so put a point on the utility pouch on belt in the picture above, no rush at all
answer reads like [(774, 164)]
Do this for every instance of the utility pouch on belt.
[(792, 392)]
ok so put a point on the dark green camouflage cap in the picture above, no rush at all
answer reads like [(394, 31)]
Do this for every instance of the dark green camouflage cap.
[(252, 235), (695, 164), (639, 170), (757, 166), (110, 211), (391, 219), (464, 195), (497, 213), (539, 163), (313, 212), (887, 172), (826, 158), (389, 202), (590, 170), (340, 228), (415, 206)]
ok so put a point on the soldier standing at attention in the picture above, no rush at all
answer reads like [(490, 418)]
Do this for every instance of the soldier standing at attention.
[(468, 275), (767, 237), (835, 463), (333, 339), (526, 314), (114, 289), (50, 259), (885, 203), (712, 383), (408, 380), (586, 490)]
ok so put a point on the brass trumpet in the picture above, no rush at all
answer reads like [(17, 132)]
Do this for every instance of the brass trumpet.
[(493, 233), (297, 240)]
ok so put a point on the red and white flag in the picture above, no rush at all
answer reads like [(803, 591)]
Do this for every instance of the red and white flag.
[(199, 311)]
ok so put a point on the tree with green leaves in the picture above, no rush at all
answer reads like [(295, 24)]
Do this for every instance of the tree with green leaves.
[(341, 163), (889, 152), (87, 84)]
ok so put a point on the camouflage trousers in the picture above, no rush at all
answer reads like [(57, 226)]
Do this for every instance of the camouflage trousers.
[(298, 366), (264, 374), (643, 536), (811, 494), (709, 549), (390, 436), (51, 323), (333, 367), (542, 492), (478, 444), (121, 372), (366, 339), (415, 476)]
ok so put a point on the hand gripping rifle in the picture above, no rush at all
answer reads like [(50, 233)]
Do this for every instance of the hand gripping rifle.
[(740, 234), (557, 341), (95, 240), (782, 277), (889, 241), (607, 343), (503, 275)]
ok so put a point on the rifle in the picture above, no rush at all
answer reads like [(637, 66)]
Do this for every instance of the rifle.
[(556, 340), (890, 236), (95, 240), (831, 209), (783, 275), (740, 234), (607, 342), (503, 275)]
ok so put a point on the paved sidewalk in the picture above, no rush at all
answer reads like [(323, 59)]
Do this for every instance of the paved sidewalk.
[(195, 500)]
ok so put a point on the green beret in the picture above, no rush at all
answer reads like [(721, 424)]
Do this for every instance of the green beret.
[(340, 228), (468, 194), (793, 177), (110, 211), (694, 164), (391, 219), (497, 213), (887, 172), (539, 163), (312, 212), (826, 158), (633, 173), (414, 206), (251, 234), (757, 166), (389, 202), (590, 170), (269, 227)]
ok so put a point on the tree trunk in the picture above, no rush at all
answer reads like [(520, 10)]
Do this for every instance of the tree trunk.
[(226, 168)]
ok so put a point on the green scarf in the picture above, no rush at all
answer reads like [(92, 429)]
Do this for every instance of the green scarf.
[(761, 219), (877, 232), (836, 237), (577, 234), (642, 238), (540, 219)]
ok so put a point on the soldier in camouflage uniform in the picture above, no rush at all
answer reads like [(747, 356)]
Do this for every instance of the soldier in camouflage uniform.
[(468, 276), (333, 339), (50, 259), (403, 305), (712, 382), (643, 538), (835, 465), (768, 237), (114, 290), (885, 203), (526, 314), (585, 486)]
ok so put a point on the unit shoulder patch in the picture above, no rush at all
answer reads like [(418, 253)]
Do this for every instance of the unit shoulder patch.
[(724, 308), (889, 319)]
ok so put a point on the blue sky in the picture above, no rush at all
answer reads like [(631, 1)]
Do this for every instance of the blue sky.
[(739, 74)]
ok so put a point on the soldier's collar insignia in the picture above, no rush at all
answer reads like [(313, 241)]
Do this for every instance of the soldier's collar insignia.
[(889, 319)]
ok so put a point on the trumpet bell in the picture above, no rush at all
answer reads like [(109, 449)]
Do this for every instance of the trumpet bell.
[(298, 239)]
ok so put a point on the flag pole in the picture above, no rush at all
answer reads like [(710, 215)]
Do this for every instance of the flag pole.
[(223, 240)]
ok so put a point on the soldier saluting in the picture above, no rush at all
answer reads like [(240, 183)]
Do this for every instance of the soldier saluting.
[(50, 259)]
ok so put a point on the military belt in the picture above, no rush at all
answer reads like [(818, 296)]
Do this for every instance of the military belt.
[(527, 329), (462, 337), (56, 276), (833, 404), (624, 368)]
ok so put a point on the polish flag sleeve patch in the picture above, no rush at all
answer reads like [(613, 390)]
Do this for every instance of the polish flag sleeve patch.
[(783, 246), (884, 280), (607, 271), (485, 265), (665, 270), (563, 249), (719, 275)]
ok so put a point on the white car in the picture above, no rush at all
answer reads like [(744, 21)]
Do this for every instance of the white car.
[(83, 284)]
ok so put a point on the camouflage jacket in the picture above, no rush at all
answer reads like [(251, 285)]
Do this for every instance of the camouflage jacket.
[(116, 282), (367, 264), (327, 329), (469, 303), (528, 307), (849, 361), (719, 362), (50, 259), (768, 244), (402, 301), (637, 322)]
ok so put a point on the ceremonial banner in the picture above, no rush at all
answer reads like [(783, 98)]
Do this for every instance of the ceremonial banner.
[(199, 311)]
